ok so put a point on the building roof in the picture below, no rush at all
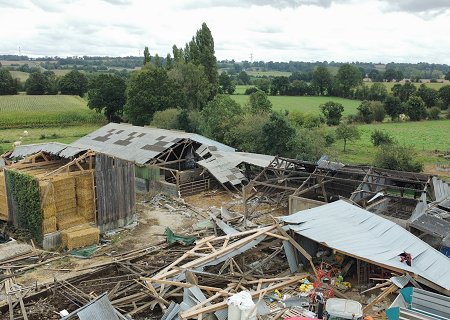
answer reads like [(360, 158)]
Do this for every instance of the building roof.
[(54, 148), (223, 165), (139, 144), (360, 233)]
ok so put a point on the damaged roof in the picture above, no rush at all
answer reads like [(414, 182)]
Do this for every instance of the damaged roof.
[(365, 235), (223, 165), (139, 144), (54, 148)]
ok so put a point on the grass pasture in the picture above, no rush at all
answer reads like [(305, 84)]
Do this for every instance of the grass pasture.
[(426, 137), (272, 73), (65, 134), (432, 85), (24, 111), (22, 76), (303, 104)]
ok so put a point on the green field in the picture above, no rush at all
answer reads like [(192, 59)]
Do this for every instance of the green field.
[(303, 104), (268, 73), (23, 111), (65, 134), (22, 76), (426, 137), (434, 85)]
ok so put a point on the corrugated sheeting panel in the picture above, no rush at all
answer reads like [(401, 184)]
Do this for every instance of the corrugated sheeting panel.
[(358, 232), (148, 173), (138, 144), (432, 304), (223, 165), (99, 310), (441, 189), (54, 148)]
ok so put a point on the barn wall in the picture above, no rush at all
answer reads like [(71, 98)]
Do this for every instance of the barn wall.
[(115, 192), (3, 198)]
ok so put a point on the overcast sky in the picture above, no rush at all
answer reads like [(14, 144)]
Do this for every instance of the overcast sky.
[(277, 30)]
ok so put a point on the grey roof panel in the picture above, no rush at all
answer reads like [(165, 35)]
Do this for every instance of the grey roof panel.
[(353, 230), (138, 144), (55, 148), (99, 310)]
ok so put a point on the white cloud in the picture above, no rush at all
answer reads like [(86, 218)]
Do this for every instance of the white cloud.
[(283, 30)]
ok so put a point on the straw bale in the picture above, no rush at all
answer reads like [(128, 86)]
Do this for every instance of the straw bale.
[(65, 195), (64, 182), (85, 193), (49, 225), (86, 213), (78, 238), (67, 204), (84, 181), (64, 224), (66, 214), (49, 211)]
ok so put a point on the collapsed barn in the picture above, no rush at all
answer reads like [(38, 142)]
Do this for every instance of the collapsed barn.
[(66, 195), (416, 201)]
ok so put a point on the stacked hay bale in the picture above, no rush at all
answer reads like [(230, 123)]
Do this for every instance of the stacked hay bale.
[(85, 196), (79, 236), (3, 199), (66, 203), (48, 207)]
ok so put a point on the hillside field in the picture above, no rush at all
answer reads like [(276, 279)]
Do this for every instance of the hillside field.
[(303, 104), (24, 111)]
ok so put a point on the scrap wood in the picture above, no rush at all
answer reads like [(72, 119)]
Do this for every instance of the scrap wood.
[(380, 297), (192, 313), (380, 285)]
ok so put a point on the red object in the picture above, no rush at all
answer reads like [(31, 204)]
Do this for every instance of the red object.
[(406, 257), (325, 271)]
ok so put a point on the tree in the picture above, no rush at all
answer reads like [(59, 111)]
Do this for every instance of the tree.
[(347, 132), (307, 144), (36, 84), (280, 85), (243, 78), (191, 85), (149, 90), (263, 84), (52, 82), (322, 79), (390, 74), (379, 138), (226, 84), (447, 76), (259, 102), (158, 62), (169, 62), (403, 91), (365, 112), (379, 113), (415, 108), (166, 119), (147, 57), (444, 94), (349, 77), (396, 157), (276, 135), (375, 75), (219, 116), (107, 95), (433, 113), (247, 134), (393, 107), (332, 112), (74, 83), (428, 95), (377, 92), (7, 83), (200, 50)]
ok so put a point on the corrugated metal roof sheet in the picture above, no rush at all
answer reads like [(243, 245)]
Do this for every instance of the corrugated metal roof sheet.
[(223, 165), (99, 310), (363, 234), (138, 144), (54, 148)]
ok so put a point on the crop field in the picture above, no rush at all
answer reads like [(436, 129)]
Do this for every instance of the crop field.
[(22, 76), (303, 104), (65, 134), (268, 73), (22, 111), (426, 137)]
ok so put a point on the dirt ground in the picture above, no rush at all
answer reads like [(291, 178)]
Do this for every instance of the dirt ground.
[(151, 223)]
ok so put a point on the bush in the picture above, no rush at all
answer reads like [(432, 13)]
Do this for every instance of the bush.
[(379, 138), (250, 90), (415, 108), (352, 118), (332, 112), (166, 119), (296, 118), (365, 112), (378, 111), (447, 116), (396, 157), (312, 121), (433, 113)]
